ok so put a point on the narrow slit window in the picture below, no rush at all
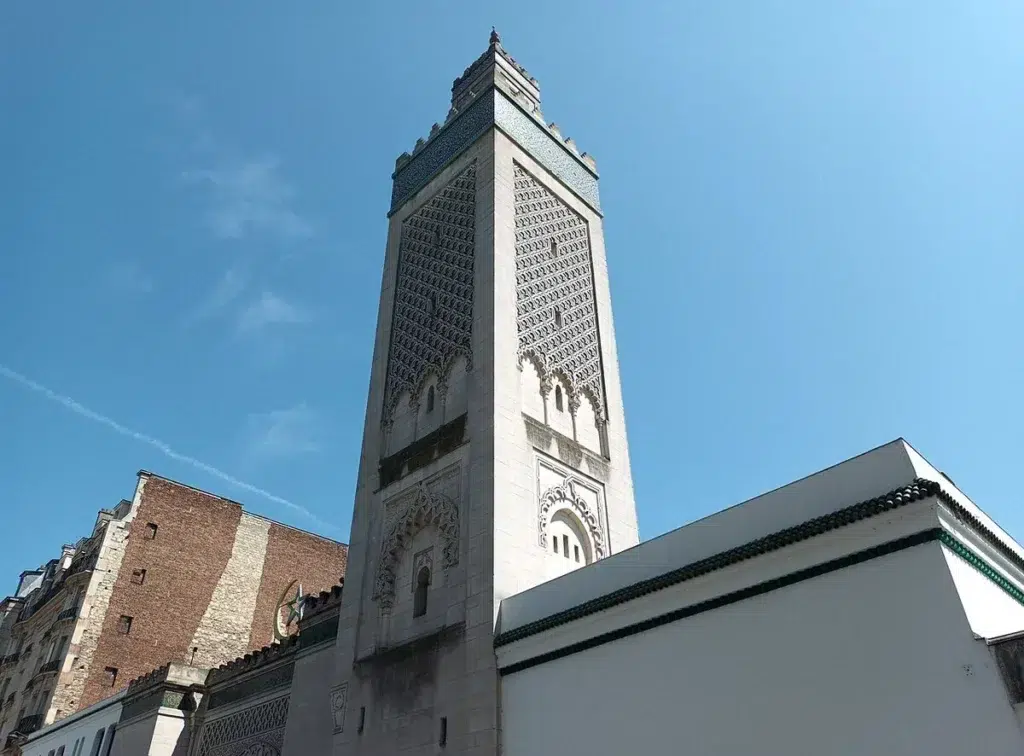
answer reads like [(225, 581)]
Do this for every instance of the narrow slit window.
[(419, 607), (558, 398), (554, 543), (362, 718), (554, 248), (430, 399), (576, 552), (558, 318), (442, 738), (150, 531), (565, 546)]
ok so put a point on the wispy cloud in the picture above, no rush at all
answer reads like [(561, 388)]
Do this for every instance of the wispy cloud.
[(128, 278), (282, 433), (270, 309), (227, 290), (249, 197), (83, 411)]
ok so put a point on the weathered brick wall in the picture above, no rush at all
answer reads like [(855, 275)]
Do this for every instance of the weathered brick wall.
[(195, 537), (292, 554), (223, 632)]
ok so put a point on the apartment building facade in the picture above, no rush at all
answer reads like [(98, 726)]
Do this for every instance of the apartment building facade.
[(173, 575)]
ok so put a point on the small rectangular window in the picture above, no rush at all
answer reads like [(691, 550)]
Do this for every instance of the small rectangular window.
[(362, 718), (554, 542), (576, 552), (111, 676), (150, 531), (124, 625), (565, 545), (442, 739), (138, 577)]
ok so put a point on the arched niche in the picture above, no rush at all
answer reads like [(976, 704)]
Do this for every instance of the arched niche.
[(421, 509)]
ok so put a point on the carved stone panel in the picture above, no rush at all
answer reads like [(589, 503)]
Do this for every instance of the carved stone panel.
[(339, 703), (432, 502), (566, 497), (256, 731), (432, 320), (555, 304)]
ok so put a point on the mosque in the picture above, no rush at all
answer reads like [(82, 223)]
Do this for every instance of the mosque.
[(497, 598)]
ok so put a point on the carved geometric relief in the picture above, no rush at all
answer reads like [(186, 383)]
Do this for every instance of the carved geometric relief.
[(421, 506), (555, 307), (565, 496), (433, 311), (339, 702), (247, 731)]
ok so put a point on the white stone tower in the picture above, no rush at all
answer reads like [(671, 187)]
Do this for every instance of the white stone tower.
[(494, 453)]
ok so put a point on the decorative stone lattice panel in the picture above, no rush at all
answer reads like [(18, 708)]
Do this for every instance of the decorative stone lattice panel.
[(555, 307), (433, 502), (256, 731), (433, 312)]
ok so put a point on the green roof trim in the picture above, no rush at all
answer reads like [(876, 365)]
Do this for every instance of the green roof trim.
[(901, 544), (917, 490)]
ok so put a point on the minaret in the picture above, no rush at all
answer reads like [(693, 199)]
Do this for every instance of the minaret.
[(494, 452)]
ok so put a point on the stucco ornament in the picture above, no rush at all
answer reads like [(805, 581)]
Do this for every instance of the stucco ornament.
[(293, 601), (339, 702), (564, 496), (556, 312), (432, 317), (415, 512)]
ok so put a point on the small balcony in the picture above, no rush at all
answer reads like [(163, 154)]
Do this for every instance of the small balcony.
[(51, 667), (29, 724), (67, 614)]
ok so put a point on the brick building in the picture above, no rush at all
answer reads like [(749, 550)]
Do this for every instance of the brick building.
[(175, 574)]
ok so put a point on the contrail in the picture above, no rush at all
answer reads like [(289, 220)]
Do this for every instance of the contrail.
[(157, 444)]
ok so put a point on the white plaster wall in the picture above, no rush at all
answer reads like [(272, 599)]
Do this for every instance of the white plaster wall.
[(872, 659), (134, 737), (531, 397), (66, 732), (170, 734), (990, 611), (309, 728)]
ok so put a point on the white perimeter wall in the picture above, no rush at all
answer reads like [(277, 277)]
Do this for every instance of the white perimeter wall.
[(878, 658), (67, 733)]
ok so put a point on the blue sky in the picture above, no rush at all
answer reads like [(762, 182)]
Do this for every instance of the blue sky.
[(813, 217)]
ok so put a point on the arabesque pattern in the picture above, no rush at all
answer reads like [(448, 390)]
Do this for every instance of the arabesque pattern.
[(433, 311), (556, 311)]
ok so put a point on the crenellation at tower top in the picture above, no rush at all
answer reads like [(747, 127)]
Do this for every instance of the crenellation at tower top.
[(495, 91), (496, 67)]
